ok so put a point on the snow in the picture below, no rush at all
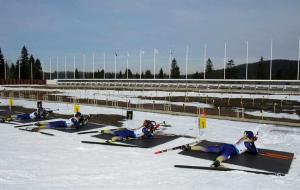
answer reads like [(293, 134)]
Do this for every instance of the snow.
[(116, 95), (274, 115), (35, 161)]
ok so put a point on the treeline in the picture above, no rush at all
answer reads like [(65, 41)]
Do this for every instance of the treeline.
[(281, 70), (28, 67), (175, 74)]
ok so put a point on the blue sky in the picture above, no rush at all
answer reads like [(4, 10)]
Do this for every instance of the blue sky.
[(76, 27)]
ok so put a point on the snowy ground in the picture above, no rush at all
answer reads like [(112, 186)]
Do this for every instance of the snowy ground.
[(35, 161), (134, 97), (116, 95), (274, 115)]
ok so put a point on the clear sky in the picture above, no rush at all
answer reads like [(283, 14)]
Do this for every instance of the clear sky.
[(51, 28)]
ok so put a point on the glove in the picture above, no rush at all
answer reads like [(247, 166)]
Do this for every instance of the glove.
[(186, 147)]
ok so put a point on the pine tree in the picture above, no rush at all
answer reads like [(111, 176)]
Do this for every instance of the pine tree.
[(161, 74), (209, 68), (24, 64), (13, 71), (229, 65), (137, 76), (120, 75), (76, 74), (37, 70), (148, 74), (175, 70), (102, 74), (196, 75), (2, 66), (129, 74), (261, 69)]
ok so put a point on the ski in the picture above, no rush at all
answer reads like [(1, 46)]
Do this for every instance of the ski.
[(176, 147), (87, 132), (30, 130), (25, 125), (227, 169), (109, 143), (10, 122), (97, 131)]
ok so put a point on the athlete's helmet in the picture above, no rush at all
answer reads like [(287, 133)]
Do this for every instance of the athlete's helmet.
[(146, 123), (77, 114), (249, 134)]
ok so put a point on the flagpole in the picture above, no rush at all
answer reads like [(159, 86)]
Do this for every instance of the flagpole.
[(186, 60), (154, 63), (225, 62), (74, 66), (140, 64), (247, 60), (43, 66), (65, 67), (104, 65), (115, 65), (204, 60), (50, 67), (19, 69), (127, 64), (5, 70), (83, 57), (298, 60), (271, 57), (31, 75), (93, 66), (170, 63), (56, 67)]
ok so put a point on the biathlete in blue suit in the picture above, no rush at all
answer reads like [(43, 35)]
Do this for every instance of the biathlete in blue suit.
[(73, 123), (145, 131), (40, 113), (226, 151)]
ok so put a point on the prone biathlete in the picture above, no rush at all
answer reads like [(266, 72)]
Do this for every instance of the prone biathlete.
[(226, 151), (40, 113), (145, 131), (75, 122)]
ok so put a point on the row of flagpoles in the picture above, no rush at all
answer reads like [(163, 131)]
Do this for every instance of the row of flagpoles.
[(155, 52)]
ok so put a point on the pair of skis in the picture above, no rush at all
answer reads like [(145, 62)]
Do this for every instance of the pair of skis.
[(32, 129), (221, 168)]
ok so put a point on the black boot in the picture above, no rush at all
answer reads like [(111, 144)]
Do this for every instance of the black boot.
[(186, 147), (216, 164)]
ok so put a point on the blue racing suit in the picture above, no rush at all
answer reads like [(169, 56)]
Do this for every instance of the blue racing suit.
[(70, 123), (137, 133), (229, 150)]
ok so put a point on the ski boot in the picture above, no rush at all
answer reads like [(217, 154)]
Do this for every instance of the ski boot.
[(186, 147), (216, 164)]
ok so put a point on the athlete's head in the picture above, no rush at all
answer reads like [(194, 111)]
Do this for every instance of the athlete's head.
[(146, 123), (250, 135), (77, 115)]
